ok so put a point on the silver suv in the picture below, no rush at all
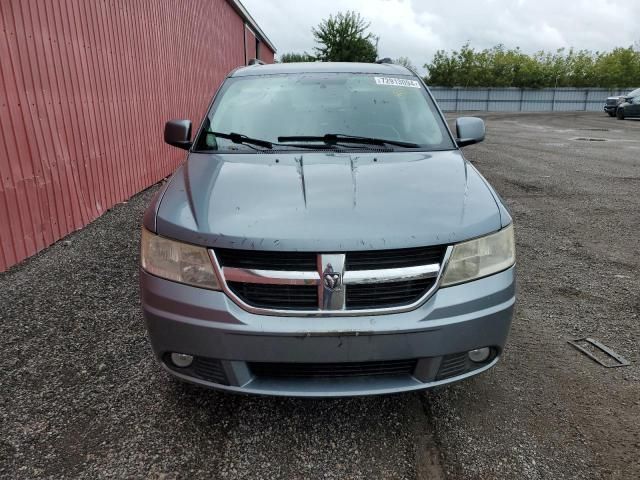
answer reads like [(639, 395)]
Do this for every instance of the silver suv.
[(326, 237)]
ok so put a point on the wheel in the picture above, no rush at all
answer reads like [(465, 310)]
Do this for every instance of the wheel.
[(620, 114)]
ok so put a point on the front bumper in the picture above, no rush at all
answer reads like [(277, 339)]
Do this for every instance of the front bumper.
[(208, 325), (610, 108)]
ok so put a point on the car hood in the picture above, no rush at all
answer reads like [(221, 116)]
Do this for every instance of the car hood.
[(327, 201)]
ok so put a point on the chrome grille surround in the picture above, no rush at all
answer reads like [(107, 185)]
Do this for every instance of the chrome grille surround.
[(331, 301)]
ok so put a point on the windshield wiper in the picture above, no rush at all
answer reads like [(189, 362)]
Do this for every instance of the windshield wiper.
[(334, 138), (239, 138)]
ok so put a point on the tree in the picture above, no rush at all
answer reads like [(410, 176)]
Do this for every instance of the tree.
[(296, 57), (344, 38), (405, 62), (501, 67)]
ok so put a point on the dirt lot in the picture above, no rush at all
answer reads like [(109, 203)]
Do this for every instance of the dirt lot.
[(81, 397)]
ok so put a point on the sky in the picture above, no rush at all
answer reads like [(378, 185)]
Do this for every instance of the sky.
[(418, 28)]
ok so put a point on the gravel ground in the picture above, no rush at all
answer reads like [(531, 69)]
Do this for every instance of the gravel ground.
[(82, 397), (547, 411)]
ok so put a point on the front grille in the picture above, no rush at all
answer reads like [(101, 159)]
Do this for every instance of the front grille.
[(255, 279), (385, 295), (405, 257), (612, 101), (287, 297), (264, 260), (351, 369)]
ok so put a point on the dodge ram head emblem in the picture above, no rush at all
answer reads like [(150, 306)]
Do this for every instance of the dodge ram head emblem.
[(331, 280)]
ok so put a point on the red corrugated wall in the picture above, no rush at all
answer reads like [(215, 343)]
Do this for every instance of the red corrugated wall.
[(85, 89), (250, 38), (266, 54)]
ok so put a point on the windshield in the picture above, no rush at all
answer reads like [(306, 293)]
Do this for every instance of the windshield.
[(634, 93), (270, 107)]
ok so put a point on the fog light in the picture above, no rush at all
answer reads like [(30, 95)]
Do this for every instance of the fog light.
[(181, 360), (479, 354)]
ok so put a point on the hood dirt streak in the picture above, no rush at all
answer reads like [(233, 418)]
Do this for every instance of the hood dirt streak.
[(325, 201)]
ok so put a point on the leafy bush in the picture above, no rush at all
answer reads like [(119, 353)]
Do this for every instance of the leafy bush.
[(296, 57), (501, 67)]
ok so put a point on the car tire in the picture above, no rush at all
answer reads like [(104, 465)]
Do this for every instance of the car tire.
[(620, 114), (611, 114)]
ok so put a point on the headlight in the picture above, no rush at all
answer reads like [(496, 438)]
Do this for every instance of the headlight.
[(480, 257), (177, 261)]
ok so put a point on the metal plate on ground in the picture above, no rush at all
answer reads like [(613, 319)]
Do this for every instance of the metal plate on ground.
[(586, 345)]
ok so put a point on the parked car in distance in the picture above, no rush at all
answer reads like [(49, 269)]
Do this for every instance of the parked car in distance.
[(326, 237), (611, 103), (629, 107)]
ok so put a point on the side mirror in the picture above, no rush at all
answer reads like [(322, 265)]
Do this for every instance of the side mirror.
[(469, 130), (178, 133)]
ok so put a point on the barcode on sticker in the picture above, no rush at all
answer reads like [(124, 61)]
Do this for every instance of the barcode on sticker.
[(397, 82)]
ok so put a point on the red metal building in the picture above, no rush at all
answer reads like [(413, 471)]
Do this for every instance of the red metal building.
[(85, 89)]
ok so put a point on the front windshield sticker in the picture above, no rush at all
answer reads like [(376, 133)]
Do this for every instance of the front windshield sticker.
[(397, 82)]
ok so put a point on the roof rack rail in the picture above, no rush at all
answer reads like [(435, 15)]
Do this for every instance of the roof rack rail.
[(255, 61), (384, 60)]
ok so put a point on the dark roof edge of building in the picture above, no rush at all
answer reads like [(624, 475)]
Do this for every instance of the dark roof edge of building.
[(246, 16)]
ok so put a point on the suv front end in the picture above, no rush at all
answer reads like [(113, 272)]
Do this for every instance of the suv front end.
[(332, 271), (611, 105)]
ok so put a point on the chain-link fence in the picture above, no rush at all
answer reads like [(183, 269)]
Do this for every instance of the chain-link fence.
[(523, 99)]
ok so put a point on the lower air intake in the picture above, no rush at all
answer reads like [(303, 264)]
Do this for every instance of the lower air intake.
[(453, 365), (208, 369), (351, 369)]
